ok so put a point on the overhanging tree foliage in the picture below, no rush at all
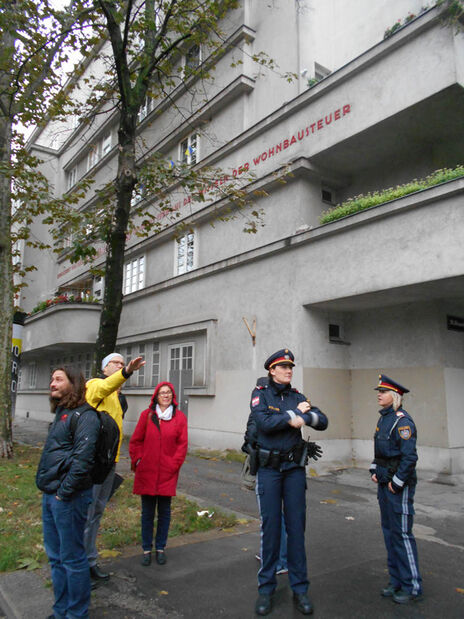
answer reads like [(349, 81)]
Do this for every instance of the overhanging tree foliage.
[(32, 38), (146, 40)]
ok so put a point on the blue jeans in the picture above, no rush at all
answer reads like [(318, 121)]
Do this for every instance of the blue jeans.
[(63, 531), (148, 518)]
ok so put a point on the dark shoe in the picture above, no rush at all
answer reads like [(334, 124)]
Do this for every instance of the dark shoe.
[(404, 597), (97, 574), (303, 603), (160, 557), (263, 604), (389, 591), (146, 560)]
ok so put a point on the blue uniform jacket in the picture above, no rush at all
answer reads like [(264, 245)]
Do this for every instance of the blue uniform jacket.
[(395, 437), (272, 407)]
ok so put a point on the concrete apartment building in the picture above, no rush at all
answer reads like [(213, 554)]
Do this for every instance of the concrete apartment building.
[(378, 291)]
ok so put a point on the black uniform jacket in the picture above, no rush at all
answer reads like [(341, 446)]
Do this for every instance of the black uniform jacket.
[(67, 459), (272, 407)]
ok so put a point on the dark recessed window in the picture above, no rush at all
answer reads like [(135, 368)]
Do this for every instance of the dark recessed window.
[(327, 196), (334, 331)]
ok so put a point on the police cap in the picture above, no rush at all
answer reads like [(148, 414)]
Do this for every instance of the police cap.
[(387, 384), (281, 357)]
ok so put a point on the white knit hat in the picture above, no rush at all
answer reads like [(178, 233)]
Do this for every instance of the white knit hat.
[(108, 358)]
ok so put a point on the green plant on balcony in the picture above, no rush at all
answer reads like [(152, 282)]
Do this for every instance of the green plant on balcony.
[(362, 202), (400, 23), (63, 298)]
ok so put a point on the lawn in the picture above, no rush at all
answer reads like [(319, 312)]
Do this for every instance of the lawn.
[(21, 524)]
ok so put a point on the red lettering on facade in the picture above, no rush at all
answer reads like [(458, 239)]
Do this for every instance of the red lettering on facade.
[(319, 123), (329, 117), (278, 148), (271, 151), (346, 109), (337, 114), (312, 127), (264, 156), (293, 140), (286, 144), (301, 135)]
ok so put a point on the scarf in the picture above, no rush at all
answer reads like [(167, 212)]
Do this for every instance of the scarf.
[(166, 415)]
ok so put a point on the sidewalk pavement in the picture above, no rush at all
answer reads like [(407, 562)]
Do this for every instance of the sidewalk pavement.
[(213, 574)]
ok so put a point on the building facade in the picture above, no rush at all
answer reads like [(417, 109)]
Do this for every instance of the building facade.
[(377, 291)]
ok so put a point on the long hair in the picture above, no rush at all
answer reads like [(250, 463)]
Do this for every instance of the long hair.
[(397, 400), (76, 397)]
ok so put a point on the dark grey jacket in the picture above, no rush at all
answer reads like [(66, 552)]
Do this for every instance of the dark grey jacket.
[(67, 458)]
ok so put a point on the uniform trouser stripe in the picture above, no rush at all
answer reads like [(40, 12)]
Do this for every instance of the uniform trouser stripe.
[(406, 535)]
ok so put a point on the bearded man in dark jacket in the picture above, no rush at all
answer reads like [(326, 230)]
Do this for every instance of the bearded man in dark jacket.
[(64, 476)]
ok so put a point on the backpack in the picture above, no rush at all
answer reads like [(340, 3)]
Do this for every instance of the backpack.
[(107, 443)]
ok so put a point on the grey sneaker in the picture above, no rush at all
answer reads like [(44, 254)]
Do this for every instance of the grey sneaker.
[(389, 591), (404, 597)]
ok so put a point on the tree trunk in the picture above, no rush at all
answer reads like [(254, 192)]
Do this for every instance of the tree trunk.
[(6, 286), (114, 266)]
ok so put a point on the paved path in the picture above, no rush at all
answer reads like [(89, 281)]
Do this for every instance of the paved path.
[(214, 574)]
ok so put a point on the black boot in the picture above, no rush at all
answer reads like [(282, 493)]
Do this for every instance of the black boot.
[(303, 603), (263, 604)]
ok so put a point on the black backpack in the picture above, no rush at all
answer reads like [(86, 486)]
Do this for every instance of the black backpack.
[(107, 443)]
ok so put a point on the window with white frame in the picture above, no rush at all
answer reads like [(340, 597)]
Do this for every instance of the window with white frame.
[(155, 364), (92, 156), (145, 108), (189, 149), (32, 375), (134, 275), (181, 358), (185, 253), (71, 178), (192, 59), (106, 144)]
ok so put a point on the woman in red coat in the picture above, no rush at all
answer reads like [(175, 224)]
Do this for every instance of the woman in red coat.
[(157, 450)]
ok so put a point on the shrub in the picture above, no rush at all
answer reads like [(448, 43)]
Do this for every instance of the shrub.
[(362, 202)]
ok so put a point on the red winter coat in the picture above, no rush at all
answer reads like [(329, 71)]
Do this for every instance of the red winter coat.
[(158, 448)]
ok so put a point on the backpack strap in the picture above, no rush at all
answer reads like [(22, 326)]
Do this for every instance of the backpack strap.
[(77, 413)]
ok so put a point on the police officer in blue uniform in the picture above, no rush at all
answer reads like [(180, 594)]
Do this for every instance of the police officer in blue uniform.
[(394, 470), (280, 412)]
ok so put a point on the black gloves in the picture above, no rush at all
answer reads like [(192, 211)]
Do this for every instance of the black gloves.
[(314, 451)]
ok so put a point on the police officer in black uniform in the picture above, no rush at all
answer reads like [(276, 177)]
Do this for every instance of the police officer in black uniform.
[(280, 412), (394, 470)]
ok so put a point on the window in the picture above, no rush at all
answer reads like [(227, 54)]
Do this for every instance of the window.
[(189, 149), (32, 375), (145, 108), (185, 256), (192, 59), (140, 374), (92, 156), (106, 144), (71, 178), (328, 195), (181, 370), (155, 365), (134, 275)]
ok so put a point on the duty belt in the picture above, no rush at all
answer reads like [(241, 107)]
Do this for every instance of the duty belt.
[(387, 462)]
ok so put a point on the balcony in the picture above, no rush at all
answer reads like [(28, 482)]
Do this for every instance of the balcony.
[(61, 325)]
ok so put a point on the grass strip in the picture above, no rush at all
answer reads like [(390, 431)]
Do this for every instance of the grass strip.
[(21, 515)]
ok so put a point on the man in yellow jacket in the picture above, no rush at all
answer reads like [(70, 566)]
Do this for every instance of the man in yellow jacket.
[(102, 394)]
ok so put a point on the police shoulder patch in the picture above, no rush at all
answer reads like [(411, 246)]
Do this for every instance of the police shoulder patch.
[(400, 414), (255, 401), (404, 432)]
